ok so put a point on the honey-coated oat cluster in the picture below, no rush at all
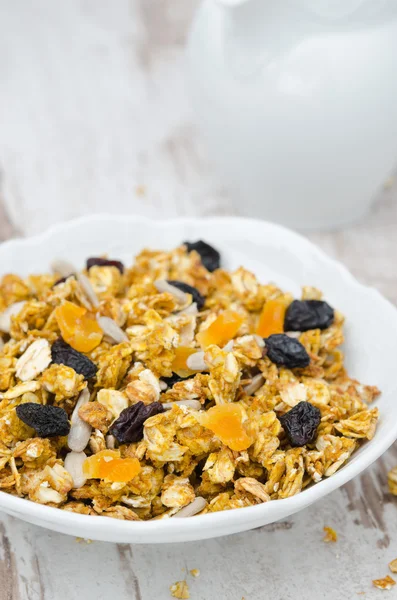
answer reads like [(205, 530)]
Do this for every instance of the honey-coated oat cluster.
[(171, 388)]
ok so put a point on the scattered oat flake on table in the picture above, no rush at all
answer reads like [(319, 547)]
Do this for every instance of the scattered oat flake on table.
[(384, 584), (330, 535), (393, 566), (180, 589), (195, 572)]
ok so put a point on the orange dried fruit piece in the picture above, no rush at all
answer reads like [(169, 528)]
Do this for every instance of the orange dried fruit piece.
[(123, 469), (222, 330), (182, 353), (93, 465), (78, 328), (107, 464), (272, 318), (330, 535), (226, 421)]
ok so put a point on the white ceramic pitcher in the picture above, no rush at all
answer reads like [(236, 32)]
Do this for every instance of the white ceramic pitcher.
[(298, 101)]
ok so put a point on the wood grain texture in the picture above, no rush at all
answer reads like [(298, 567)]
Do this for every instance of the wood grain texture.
[(94, 116)]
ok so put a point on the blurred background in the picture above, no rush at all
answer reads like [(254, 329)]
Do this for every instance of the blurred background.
[(95, 115)]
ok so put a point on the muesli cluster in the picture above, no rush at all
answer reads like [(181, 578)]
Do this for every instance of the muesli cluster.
[(170, 388)]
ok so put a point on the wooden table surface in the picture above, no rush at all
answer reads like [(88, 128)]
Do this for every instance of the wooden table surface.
[(93, 117)]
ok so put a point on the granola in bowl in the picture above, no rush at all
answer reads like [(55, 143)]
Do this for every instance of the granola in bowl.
[(170, 388)]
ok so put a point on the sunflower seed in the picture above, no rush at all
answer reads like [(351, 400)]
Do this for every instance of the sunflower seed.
[(189, 310), (229, 346), (34, 360), (191, 509), (163, 286), (196, 362), (11, 311), (294, 334), (110, 442), (63, 267), (112, 330), (80, 431), (256, 383), (87, 288), (73, 464), (195, 404)]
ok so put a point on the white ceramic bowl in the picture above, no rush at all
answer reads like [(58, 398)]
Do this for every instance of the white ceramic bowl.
[(273, 253)]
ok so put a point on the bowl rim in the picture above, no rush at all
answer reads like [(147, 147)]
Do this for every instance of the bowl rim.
[(242, 516)]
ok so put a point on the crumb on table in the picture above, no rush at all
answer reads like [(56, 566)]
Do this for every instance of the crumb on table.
[(180, 589), (195, 572), (330, 535), (393, 566), (384, 584)]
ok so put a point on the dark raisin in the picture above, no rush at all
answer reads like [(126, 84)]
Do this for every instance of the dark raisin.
[(189, 289), (300, 423), (303, 315), (170, 381), (104, 262), (286, 351), (47, 420), (128, 428), (63, 354), (62, 280), (210, 257)]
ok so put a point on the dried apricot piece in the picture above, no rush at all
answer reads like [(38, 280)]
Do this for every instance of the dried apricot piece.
[(93, 464), (78, 328), (226, 421), (222, 330), (272, 318), (107, 464), (70, 312), (182, 353), (122, 469)]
